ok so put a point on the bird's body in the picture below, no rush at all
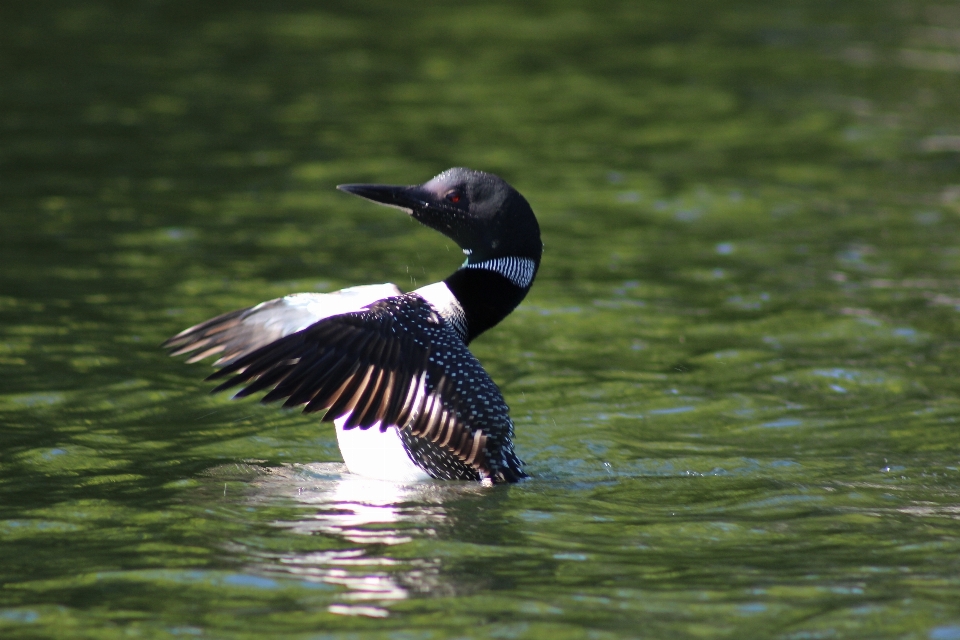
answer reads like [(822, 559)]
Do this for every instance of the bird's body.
[(392, 369)]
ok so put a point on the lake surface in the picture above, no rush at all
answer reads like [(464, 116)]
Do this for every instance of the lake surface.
[(735, 382)]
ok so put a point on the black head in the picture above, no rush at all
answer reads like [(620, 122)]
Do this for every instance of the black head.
[(479, 211)]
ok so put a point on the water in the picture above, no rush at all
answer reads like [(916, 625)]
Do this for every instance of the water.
[(734, 382)]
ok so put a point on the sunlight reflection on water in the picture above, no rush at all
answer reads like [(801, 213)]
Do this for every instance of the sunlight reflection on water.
[(367, 512)]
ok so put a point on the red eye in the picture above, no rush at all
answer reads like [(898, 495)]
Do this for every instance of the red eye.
[(453, 197)]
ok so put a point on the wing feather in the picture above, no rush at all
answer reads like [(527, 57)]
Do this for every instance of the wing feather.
[(328, 396)]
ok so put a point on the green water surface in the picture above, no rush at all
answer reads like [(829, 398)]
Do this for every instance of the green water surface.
[(736, 381)]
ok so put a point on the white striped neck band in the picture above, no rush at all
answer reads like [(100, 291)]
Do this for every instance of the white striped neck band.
[(519, 271)]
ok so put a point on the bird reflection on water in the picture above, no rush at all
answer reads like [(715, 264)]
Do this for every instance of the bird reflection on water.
[(370, 515)]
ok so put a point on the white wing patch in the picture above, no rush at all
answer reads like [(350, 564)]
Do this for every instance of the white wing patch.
[(235, 334), (317, 306)]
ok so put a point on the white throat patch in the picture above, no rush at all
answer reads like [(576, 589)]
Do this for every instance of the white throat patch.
[(519, 271)]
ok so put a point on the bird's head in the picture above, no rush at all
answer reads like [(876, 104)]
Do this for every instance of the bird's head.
[(479, 211)]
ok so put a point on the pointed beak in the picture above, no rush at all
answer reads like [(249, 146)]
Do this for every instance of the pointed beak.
[(406, 198)]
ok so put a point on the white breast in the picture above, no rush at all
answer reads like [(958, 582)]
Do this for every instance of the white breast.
[(370, 453)]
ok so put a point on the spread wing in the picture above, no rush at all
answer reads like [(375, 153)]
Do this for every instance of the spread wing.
[(396, 362)]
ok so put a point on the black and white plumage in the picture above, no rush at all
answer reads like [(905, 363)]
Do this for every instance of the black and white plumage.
[(519, 271), (393, 370)]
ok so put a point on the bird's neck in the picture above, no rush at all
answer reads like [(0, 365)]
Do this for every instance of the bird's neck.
[(479, 295), (488, 291)]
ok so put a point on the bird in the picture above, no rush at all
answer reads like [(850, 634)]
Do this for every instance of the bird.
[(393, 370)]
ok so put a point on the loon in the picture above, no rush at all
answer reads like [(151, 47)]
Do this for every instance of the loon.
[(392, 370)]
